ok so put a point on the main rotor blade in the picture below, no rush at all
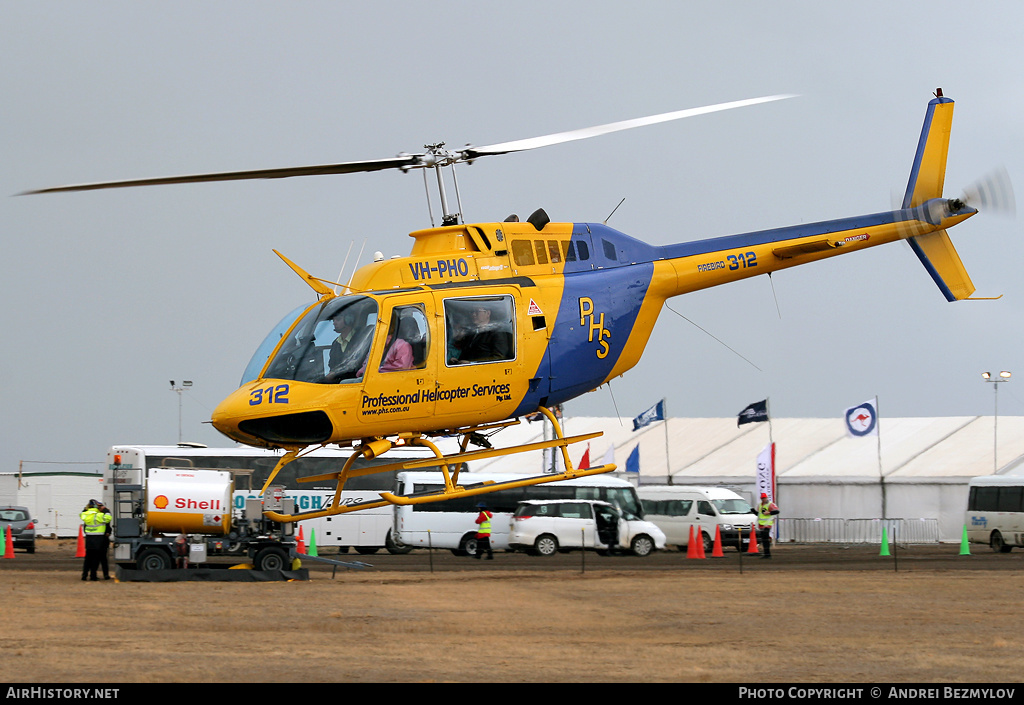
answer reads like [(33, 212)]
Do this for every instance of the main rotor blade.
[(586, 132), (405, 161)]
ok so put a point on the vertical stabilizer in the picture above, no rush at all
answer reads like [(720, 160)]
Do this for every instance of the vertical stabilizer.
[(935, 250)]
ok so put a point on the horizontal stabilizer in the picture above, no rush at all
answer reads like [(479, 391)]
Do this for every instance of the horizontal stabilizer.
[(939, 257)]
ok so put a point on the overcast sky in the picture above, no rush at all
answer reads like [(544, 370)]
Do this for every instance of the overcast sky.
[(109, 295)]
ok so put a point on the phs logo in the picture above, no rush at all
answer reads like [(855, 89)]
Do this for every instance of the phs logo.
[(596, 325)]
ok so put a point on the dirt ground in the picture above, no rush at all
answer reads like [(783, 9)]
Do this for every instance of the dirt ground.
[(536, 622)]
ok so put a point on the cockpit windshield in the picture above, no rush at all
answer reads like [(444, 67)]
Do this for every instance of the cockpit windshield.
[(329, 344), (262, 354)]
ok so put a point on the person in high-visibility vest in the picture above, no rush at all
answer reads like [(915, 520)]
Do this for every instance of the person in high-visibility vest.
[(96, 519), (483, 532), (766, 512)]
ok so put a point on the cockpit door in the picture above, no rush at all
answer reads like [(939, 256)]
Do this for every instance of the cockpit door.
[(400, 371)]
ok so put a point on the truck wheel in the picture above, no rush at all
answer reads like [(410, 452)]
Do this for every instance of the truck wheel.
[(153, 559), (642, 545), (395, 547), (271, 558)]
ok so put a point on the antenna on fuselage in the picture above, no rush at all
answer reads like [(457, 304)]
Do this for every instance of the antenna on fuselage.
[(613, 212), (343, 265)]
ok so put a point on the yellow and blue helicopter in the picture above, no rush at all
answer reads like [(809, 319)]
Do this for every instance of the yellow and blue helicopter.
[(484, 324)]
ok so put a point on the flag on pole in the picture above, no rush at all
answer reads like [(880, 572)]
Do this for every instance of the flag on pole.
[(655, 413), (766, 472), (862, 420), (754, 413), (633, 461), (585, 460), (609, 456)]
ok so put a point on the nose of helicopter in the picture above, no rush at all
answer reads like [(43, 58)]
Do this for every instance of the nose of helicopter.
[(256, 414), (232, 410)]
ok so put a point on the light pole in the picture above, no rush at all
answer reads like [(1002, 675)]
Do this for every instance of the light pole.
[(184, 385), (1004, 376)]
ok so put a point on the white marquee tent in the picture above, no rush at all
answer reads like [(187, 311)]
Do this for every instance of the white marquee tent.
[(914, 468)]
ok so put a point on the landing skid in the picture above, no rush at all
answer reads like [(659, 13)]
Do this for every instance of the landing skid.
[(376, 447)]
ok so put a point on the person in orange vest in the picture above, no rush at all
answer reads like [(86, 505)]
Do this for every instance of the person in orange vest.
[(766, 512), (483, 533)]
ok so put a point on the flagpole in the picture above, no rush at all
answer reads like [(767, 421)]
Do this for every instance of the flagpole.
[(668, 463), (878, 437)]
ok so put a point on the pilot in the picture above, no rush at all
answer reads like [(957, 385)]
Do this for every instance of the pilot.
[(483, 343), (343, 326)]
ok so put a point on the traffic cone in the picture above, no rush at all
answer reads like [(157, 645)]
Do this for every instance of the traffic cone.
[(691, 547), (301, 546), (965, 549), (716, 550), (699, 548), (312, 543), (885, 543), (752, 546), (80, 550), (9, 544)]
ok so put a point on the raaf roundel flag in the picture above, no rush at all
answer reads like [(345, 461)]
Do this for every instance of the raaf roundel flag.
[(862, 420)]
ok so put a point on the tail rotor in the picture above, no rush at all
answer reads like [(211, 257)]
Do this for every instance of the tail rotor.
[(992, 193)]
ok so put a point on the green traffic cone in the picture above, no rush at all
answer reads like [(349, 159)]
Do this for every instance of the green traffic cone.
[(965, 549), (885, 543), (311, 551)]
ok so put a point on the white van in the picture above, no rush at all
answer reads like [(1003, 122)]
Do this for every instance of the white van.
[(546, 527), (675, 508)]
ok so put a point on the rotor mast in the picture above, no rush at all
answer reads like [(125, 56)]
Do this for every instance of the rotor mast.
[(438, 157)]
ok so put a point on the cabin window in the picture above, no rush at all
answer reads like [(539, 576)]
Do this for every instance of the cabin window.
[(407, 340), (583, 250), (568, 252), (542, 255), (554, 254), (609, 250), (522, 252), (479, 329)]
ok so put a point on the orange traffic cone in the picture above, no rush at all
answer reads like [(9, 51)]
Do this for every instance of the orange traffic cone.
[(752, 547), (691, 547), (80, 550), (700, 543), (301, 546), (9, 544), (716, 550)]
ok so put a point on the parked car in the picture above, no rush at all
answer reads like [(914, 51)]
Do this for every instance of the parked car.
[(23, 528), (544, 527)]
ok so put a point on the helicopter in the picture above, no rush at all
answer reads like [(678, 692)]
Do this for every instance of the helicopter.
[(485, 324)]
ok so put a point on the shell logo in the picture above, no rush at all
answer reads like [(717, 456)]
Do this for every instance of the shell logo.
[(161, 502)]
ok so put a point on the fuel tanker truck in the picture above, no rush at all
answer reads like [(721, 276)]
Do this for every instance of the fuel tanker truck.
[(162, 515)]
